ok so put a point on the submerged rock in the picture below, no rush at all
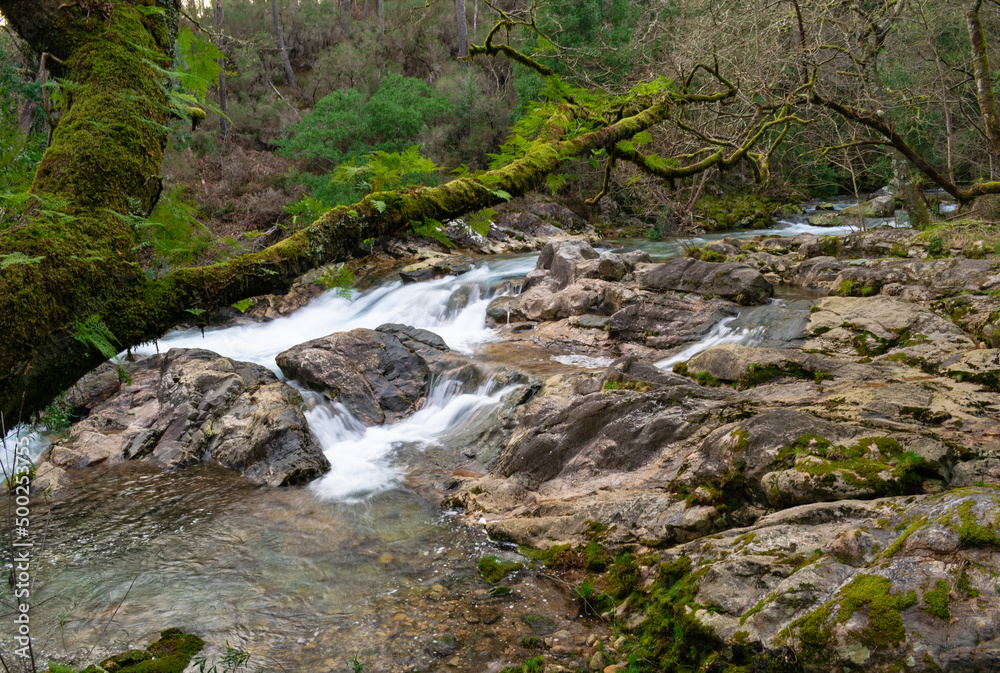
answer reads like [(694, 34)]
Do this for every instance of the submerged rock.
[(188, 406)]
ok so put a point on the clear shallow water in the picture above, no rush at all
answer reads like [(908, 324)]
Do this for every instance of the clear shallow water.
[(306, 578)]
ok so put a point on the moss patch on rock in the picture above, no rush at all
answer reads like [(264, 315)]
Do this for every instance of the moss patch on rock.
[(494, 570), (170, 654)]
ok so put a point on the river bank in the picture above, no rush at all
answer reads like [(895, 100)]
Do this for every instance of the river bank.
[(616, 435)]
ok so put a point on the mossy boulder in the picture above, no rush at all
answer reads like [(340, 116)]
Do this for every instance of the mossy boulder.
[(170, 654), (831, 587)]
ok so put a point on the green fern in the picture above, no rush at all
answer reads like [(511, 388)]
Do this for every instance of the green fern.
[(339, 280), (431, 228), (93, 332), (18, 258), (243, 305)]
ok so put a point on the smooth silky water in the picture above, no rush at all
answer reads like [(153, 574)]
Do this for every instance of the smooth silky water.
[(362, 560)]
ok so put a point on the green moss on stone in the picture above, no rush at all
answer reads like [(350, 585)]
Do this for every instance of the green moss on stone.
[(874, 595), (937, 601), (494, 570)]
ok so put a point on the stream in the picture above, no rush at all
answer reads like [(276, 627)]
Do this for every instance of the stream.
[(360, 563)]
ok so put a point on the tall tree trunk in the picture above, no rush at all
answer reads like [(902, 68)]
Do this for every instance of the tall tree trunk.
[(463, 37), (223, 103), (380, 8), (911, 192), (983, 75), (63, 271), (280, 38)]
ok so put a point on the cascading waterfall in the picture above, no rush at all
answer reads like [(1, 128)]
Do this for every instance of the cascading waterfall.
[(451, 307), (722, 333), (361, 457)]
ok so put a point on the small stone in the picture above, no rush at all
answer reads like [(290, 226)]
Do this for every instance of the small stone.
[(490, 615), (591, 639), (549, 642), (613, 668), (620, 642), (539, 624), (598, 662)]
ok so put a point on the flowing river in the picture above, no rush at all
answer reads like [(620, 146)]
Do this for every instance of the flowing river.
[(360, 563)]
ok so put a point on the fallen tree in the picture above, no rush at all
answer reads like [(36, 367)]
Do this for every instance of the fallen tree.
[(70, 283)]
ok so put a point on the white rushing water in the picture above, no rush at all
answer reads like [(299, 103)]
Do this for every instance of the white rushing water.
[(362, 458), (722, 333), (424, 305)]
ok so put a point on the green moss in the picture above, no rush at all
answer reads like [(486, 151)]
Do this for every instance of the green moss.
[(533, 665), (971, 533), (623, 576), (988, 379), (757, 375), (862, 464), (830, 246), (757, 608), (705, 255), (706, 379), (595, 557), (853, 288), (814, 634), (925, 415), (170, 654), (965, 586), (900, 541), (874, 595), (937, 601), (637, 386), (556, 556), (531, 642), (739, 210), (592, 601), (494, 570)]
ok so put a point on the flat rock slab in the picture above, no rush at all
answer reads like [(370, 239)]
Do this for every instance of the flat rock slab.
[(729, 280)]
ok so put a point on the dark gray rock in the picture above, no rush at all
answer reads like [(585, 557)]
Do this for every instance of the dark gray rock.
[(739, 282), (379, 375)]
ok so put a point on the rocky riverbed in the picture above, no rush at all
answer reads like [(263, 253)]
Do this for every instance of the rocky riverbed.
[(773, 451)]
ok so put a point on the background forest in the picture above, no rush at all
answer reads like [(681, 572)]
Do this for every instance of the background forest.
[(312, 90)]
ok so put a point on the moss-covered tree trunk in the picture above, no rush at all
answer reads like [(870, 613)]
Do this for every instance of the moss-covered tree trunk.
[(65, 273), (105, 157)]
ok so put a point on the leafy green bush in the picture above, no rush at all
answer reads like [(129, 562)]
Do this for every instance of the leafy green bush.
[(346, 125)]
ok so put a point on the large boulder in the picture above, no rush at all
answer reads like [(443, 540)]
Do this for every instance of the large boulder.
[(737, 282), (189, 406), (557, 264), (884, 327), (903, 583), (380, 375), (667, 320), (880, 206)]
